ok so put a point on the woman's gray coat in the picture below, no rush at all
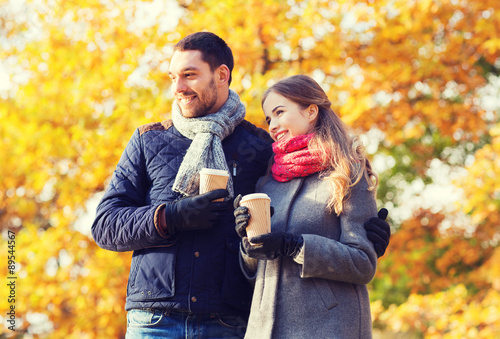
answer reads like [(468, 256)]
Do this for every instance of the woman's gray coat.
[(326, 297)]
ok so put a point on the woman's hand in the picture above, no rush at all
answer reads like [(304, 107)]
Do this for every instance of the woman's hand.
[(271, 245), (241, 217)]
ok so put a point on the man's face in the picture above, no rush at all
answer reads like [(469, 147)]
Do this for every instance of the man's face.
[(193, 84)]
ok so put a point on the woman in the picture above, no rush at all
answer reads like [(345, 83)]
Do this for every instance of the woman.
[(311, 271)]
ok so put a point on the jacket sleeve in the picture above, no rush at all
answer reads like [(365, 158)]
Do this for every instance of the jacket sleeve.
[(352, 259), (123, 220)]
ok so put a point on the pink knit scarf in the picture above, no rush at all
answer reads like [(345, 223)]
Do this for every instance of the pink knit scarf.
[(292, 159)]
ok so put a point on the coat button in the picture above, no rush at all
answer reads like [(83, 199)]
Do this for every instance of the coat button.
[(193, 299), (196, 254)]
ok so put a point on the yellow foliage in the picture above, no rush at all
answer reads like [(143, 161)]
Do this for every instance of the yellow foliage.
[(85, 74), (482, 187), (448, 314)]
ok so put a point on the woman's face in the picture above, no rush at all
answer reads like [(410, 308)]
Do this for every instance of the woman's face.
[(286, 118)]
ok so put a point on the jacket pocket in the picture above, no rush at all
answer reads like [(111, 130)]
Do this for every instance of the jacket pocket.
[(236, 290), (134, 268), (326, 293), (152, 274)]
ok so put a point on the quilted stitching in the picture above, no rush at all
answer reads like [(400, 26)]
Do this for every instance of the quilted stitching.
[(143, 181)]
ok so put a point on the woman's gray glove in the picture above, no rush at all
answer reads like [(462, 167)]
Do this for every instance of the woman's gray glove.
[(271, 245), (378, 232), (197, 212)]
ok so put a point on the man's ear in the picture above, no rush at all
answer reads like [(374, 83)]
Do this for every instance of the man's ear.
[(222, 75), (312, 112)]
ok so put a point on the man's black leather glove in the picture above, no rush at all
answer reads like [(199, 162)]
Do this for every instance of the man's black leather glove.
[(196, 213), (271, 245), (379, 232), (241, 216)]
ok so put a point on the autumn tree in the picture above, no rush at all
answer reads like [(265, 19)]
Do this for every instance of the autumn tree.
[(410, 76)]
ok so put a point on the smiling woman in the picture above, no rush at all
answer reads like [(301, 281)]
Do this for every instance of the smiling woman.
[(298, 106), (286, 118), (317, 230)]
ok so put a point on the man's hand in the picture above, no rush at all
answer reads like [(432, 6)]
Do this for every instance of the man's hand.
[(271, 245), (379, 232), (196, 213)]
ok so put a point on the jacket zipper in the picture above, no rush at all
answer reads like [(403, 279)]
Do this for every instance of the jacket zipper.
[(235, 165)]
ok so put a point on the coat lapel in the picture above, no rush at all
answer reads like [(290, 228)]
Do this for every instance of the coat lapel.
[(282, 196)]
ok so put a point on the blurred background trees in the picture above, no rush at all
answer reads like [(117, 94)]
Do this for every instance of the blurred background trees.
[(419, 80)]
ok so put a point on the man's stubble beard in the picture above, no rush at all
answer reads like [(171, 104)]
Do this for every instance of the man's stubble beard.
[(207, 98)]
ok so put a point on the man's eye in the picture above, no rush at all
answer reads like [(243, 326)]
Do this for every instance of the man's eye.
[(279, 112)]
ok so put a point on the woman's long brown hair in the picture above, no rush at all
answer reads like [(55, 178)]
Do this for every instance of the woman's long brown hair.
[(343, 154)]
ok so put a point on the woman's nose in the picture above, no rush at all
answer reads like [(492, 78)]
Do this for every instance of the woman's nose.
[(273, 126)]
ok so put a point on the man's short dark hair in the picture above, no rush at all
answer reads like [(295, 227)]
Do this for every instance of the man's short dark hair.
[(214, 50)]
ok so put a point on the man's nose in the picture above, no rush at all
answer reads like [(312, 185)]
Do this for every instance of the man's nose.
[(178, 86)]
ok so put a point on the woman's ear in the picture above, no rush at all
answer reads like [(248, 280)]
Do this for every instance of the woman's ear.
[(312, 112)]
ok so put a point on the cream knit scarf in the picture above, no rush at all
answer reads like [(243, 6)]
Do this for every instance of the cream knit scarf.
[(206, 150)]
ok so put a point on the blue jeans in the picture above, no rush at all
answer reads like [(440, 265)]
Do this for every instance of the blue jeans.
[(156, 323)]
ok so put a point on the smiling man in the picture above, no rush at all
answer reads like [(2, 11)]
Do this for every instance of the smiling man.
[(198, 89), (185, 280)]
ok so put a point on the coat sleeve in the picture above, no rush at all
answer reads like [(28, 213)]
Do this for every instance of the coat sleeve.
[(123, 220), (352, 259), (249, 267)]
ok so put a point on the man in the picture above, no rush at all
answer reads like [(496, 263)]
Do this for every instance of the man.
[(185, 280)]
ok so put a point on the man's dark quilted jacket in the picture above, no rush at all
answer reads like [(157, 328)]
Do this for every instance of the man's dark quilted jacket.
[(195, 271)]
